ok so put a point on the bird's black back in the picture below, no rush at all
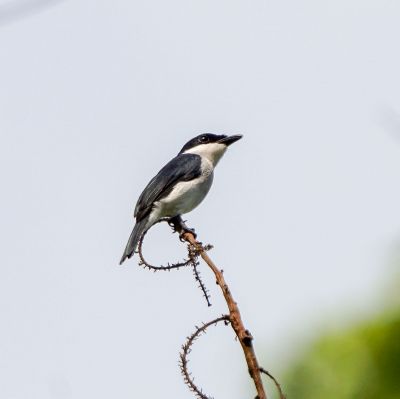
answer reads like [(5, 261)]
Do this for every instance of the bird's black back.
[(184, 167)]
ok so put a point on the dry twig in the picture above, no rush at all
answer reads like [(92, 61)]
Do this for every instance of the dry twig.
[(244, 335), (196, 249), (191, 261), (186, 349), (196, 273), (170, 266)]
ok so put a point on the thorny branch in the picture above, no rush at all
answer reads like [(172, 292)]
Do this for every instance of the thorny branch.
[(196, 249), (244, 335), (196, 273), (186, 349), (191, 261), (169, 266)]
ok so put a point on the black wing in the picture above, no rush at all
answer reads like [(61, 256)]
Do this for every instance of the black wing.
[(183, 167)]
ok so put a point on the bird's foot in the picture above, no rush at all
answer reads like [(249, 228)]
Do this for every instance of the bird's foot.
[(179, 226), (175, 224)]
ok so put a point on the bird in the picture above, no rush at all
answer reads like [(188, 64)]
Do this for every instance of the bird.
[(179, 187)]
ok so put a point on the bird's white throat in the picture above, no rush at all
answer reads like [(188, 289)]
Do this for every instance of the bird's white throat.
[(211, 151)]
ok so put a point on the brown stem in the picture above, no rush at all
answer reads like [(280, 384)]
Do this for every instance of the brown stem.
[(245, 338)]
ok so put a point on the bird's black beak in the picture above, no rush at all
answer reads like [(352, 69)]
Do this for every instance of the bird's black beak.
[(228, 140)]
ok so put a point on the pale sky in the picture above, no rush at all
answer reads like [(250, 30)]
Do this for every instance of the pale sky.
[(96, 96)]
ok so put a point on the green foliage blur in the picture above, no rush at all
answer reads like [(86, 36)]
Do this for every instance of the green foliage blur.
[(358, 362), (362, 362)]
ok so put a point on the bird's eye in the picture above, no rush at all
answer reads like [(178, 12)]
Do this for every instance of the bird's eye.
[(203, 139)]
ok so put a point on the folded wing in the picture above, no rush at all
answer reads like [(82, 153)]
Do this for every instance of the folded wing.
[(184, 167)]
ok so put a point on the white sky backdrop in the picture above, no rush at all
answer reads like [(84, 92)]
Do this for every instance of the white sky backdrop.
[(96, 96)]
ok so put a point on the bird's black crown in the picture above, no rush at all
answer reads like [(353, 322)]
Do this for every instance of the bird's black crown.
[(204, 138)]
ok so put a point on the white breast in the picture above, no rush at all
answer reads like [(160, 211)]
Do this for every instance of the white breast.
[(187, 195)]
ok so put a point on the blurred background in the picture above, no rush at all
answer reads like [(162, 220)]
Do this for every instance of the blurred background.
[(95, 96)]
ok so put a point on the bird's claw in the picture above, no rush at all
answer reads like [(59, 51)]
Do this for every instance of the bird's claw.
[(178, 226), (173, 226)]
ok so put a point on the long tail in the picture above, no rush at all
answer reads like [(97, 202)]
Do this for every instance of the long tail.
[(137, 232)]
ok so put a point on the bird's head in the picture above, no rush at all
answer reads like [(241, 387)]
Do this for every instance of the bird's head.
[(210, 146)]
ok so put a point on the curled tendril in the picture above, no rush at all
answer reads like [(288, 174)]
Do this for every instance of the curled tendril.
[(193, 254), (169, 266), (186, 349)]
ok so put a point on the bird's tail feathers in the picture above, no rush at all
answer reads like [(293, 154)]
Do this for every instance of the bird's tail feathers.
[(131, 246)]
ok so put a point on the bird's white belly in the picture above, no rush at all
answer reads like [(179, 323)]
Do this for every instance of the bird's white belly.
[(185, 196)]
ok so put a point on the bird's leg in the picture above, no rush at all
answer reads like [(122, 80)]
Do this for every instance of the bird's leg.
[(180, 227)]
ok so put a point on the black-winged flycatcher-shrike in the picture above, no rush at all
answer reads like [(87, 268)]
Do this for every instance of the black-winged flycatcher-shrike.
[(179, 186)]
